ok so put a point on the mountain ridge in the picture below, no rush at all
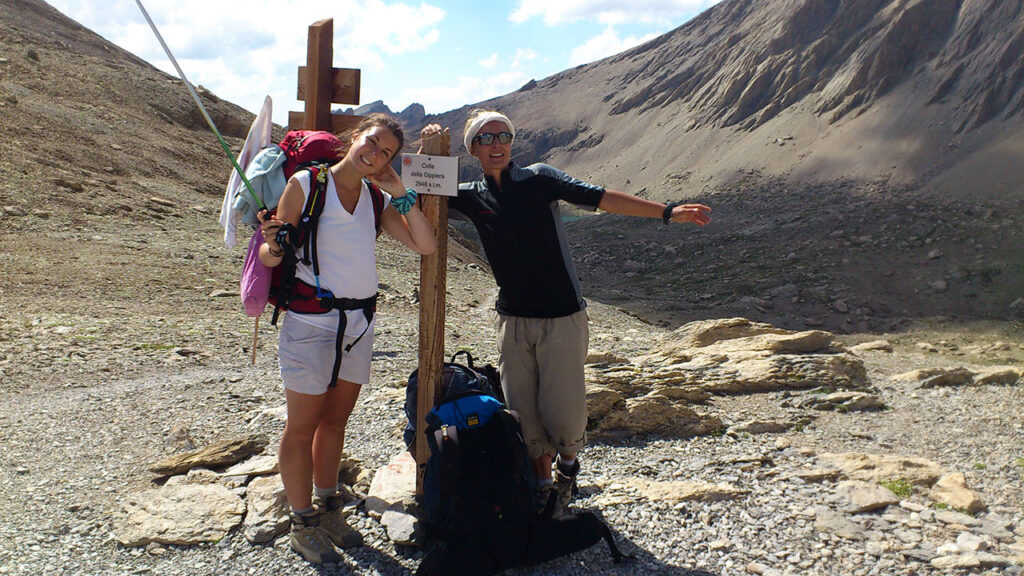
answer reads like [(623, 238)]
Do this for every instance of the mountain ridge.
[(816, 70)]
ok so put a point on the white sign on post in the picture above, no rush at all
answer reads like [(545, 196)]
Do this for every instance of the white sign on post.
[(431, 174)]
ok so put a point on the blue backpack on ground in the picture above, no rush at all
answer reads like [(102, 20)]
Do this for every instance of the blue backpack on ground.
[(456, 378)]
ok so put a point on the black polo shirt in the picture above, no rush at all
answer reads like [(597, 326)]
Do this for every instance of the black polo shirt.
[(522, 234)]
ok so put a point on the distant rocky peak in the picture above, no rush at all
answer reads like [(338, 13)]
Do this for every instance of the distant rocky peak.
[(410, 118)]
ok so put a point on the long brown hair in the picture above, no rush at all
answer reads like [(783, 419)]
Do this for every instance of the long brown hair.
[(370, 122)]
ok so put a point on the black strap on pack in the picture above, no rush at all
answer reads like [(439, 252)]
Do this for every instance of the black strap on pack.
[(289, 237), (289, 261), (367, 305), (617, 555)]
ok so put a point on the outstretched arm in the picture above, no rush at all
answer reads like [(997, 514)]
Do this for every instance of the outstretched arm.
[(622, 203)]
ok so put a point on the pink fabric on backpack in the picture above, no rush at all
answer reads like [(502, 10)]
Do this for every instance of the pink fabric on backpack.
[(255, 286)]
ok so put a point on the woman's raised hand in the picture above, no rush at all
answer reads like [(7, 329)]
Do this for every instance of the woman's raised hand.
[(429, 132), (389, 180), (696, 213)]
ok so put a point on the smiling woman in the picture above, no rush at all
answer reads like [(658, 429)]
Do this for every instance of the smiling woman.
[(325, 351)]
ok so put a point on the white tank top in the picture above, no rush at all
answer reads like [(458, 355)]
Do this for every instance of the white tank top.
[(346, 252)]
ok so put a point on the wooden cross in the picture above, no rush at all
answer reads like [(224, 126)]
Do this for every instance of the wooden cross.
[(320, 85)]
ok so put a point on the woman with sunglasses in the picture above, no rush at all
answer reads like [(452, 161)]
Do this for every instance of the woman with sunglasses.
[(541, 327)]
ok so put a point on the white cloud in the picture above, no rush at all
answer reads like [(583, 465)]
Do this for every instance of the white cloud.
[(469, 89), (605, 44), (466, 90), (608, 12), (522, 57), (246, 50), (489, 62)]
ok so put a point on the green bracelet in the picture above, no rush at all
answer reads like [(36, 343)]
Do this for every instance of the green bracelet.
[(405, 203)]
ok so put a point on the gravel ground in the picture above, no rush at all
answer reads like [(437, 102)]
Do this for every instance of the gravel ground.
[(77, 439)]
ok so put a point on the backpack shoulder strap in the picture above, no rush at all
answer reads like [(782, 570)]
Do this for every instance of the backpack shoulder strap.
[(378, 203), (311, 212)]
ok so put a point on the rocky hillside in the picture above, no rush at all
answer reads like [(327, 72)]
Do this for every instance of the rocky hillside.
[(863, 158), (928, 86)]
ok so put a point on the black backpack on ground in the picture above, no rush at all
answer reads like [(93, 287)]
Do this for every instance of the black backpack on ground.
[(479, 492)]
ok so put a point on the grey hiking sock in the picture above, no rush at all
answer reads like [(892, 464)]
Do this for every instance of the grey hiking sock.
[(567, 467), (307, 511), (324, 493)]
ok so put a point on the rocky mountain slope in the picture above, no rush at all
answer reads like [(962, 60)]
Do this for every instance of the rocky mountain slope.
[(863, 158), (832, 75)]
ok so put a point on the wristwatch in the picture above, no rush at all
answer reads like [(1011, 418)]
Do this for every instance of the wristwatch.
[(666, 216)]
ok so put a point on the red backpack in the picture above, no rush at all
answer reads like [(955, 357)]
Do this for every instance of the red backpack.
[(304, 148)]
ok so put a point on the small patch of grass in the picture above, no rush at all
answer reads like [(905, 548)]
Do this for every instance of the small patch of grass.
[(899, 487), (1020, 462), (980, 465)]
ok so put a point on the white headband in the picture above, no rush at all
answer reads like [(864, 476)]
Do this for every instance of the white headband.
[(478, 123)]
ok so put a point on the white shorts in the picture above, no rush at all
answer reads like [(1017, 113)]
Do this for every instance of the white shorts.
[(306, 354)]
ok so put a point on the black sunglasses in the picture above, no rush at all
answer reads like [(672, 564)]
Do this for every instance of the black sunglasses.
[(487, 138)]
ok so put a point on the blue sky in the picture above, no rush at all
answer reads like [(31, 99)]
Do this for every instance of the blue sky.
[(440, 53)]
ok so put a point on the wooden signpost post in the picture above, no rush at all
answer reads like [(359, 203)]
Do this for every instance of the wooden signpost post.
[(320, 85), (433, 281)]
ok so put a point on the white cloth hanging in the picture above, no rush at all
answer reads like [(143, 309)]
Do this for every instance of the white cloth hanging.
[(260, 134)]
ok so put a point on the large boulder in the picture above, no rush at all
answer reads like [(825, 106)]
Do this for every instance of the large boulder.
[(181, 515)]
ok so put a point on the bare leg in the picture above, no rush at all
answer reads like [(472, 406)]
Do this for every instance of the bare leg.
[(329, 440), (542, 467), (295, 455)]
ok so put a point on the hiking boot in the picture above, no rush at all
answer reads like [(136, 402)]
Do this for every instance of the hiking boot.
[(545, 500), (332, 520), (565, 485), (311, 540)]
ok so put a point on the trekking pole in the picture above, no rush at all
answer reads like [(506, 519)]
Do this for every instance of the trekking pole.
[(223, 144)]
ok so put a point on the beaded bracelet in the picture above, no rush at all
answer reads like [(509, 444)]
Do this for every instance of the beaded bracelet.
[(404, 203)]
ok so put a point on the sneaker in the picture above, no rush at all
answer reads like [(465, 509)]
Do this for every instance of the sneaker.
[(333, 522), (311, 540), (565, 486)]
